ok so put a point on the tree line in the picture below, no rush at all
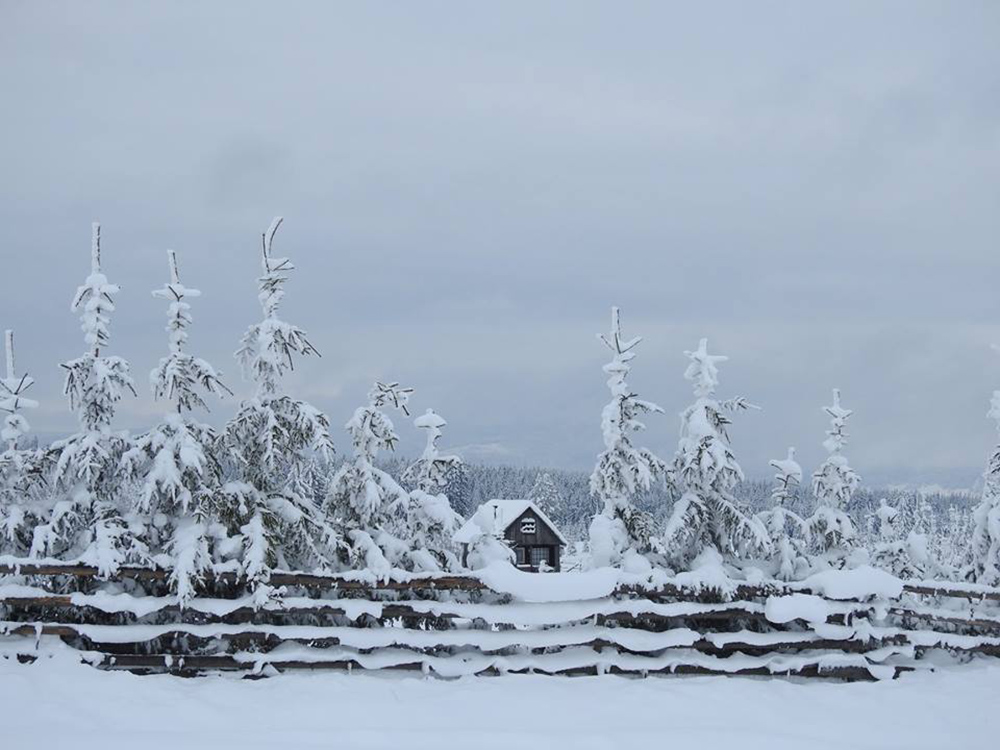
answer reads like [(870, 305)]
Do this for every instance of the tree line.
[(265, 491)]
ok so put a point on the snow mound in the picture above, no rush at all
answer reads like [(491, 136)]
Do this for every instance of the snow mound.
[(782, 609), (504, 578), (859, 583)]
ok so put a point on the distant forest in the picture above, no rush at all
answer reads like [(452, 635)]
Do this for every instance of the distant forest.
[(574, 506)]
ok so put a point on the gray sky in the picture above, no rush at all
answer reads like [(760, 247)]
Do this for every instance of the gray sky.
[(467, 189)]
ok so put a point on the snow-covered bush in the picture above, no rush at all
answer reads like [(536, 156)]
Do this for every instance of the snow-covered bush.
[(270, 441), (786, 530), (430, 520), (483, 536), (620, 532), (984, 550), (365, 504), (833, 483), (176, 463), (705, 471), (87, 516), (21, 476)]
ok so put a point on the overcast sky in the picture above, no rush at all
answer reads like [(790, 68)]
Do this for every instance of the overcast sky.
[(468, 188)]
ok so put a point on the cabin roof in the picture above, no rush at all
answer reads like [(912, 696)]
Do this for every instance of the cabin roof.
[(496, 516)]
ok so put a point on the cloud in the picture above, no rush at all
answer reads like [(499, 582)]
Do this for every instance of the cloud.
[(467, 192)]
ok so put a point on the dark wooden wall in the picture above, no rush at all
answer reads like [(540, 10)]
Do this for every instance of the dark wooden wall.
[(542, 536)]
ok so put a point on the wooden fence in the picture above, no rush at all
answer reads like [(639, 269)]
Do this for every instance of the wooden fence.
[(456, 625)]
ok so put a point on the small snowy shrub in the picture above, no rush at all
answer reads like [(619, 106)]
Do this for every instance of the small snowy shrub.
[(366, 505), (430, 520), (833, 483), (786, 529), (705, 471)]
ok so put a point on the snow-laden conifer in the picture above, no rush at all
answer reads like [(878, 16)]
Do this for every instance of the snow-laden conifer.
[(87, 517), (20, 470), (786, 530), (984, 550), (271, 439), (176, 463), (833, 483), (545, 495), (430, 520), (897, 541), (705, 471), (620, 532), (12, 398), (365, 504)]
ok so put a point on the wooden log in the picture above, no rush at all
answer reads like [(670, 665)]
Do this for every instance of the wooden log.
[(971, 622), (943, 590), (985, 649), (389, 611), (82, 571), (31, 631), (442, 583), (239, 615), (263, 641), (464, 583), (671, 592), (174, 664)]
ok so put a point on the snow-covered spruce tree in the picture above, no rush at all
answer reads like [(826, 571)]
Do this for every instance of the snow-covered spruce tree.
[(271, 440), (785, 528), (984, 550), (545, 494), (900, 549), (833, 483), (365, 505), (20, 470), (87, 520), (953, 542), (176, 463), (431, 521), (620, 533), (707, 516)]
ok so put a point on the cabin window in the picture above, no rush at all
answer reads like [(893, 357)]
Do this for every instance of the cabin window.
[(527, 525), (522, 556), (539, 555)]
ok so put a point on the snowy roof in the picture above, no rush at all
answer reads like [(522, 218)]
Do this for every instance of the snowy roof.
[(495, 516)]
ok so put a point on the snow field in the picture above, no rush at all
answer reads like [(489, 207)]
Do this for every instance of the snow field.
[(55, 703)]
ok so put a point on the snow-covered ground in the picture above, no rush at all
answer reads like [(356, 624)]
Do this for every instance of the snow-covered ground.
[(57, 704)]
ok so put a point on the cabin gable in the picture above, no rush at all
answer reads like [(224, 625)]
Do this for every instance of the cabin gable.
[(528, 530)]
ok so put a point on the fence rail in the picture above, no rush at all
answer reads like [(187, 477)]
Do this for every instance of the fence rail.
[(456, 625)]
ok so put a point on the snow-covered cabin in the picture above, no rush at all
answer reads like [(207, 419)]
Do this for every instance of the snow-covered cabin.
[(525, 528)]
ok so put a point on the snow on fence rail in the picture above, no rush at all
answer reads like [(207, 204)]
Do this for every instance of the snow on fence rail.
[(846, 624)]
